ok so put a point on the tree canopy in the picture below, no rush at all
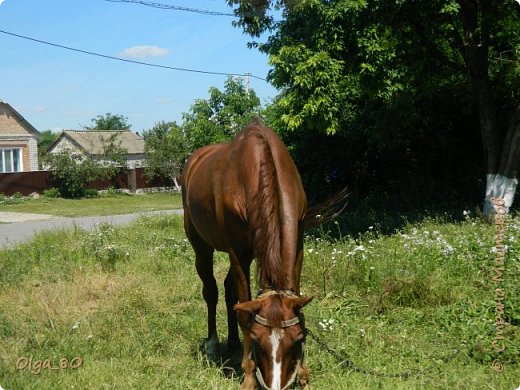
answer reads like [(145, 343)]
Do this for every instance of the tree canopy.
[(412, 90), (166, 148), (222, 115), (46, 139), (109, 122)]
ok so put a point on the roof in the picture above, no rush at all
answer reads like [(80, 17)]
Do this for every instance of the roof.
[(91, 141), (5, 107)]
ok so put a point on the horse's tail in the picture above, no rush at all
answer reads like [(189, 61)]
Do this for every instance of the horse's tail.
[(327, 210), (264, 214)]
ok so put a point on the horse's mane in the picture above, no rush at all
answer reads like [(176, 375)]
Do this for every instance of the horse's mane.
[(274, 315), (264, 215)]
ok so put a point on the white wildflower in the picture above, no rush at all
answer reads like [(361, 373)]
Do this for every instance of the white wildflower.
[(327, 324), (448, 250)]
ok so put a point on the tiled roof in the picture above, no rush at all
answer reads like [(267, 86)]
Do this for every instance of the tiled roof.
[(7, 109), (92, 140)]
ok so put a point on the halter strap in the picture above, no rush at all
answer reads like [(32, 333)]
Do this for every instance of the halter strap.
[(263, 321), (268, 292), (293, 377), (284, 324)]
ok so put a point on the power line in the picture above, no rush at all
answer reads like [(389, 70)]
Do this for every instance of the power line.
[(173, 7), (129, 61)]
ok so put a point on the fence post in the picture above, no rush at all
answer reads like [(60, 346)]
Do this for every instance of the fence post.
[(132, 180)]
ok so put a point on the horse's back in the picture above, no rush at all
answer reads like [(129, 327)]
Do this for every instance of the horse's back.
[(221, 183)]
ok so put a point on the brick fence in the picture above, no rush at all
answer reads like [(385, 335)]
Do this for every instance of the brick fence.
[(37, 181)]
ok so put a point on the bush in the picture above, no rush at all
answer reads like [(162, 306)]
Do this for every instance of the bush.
[(111, 192), (72, 173), (69, 174), (51, 193), (15, 199), (91, 193)]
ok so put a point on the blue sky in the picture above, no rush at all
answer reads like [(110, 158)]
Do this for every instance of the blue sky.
[(58, 89)]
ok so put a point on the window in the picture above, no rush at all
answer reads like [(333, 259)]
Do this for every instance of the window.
[(10, 160)]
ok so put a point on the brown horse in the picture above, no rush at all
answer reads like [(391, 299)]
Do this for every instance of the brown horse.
[(246, 198)]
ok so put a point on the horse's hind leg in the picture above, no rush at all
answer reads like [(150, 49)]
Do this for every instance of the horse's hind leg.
[(204, 265)]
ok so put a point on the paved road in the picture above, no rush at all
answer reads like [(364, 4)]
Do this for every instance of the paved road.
[(23, 227)]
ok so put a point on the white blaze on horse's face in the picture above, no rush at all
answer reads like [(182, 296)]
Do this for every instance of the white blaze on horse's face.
[(276, 337)]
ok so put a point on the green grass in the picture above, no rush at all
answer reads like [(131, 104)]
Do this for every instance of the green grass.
[(104, 205), (127, 301)]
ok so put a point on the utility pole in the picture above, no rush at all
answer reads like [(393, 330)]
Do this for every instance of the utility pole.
[(247, 82)]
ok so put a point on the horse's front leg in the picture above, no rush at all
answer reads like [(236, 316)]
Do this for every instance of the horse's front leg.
[(240, 273), (204, 265), (248, 364), (231, 301)]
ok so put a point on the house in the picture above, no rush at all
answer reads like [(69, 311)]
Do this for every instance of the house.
[(18, 142), (89, 143)]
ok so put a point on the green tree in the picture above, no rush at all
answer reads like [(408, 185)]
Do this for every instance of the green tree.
[(71, 173), (400, 78), (112, 160), (109, 122), (222, 115), (45, 140), (166, 149)]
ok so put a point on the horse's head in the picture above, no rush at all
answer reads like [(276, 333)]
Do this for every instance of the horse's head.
[(277, 334)]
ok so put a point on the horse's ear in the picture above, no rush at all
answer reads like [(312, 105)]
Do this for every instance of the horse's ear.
[(300, 302), (249, 306)]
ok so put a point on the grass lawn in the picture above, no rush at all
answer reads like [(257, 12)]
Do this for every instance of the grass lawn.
[(127, 301), (104, 205)]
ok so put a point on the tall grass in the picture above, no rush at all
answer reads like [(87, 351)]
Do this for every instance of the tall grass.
[(127, 301)]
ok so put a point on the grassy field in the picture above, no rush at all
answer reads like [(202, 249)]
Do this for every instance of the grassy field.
[(127, 302), (104, 205)]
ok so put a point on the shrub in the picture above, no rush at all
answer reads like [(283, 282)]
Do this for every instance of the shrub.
[(72, 173), (12, 199), (91, 193), (69, 174), (111, 192), (51, 193)]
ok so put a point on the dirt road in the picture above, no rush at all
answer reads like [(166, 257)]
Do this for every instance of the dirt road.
[(19, 227)]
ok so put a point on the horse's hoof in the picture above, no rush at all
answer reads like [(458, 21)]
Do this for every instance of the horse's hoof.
[(249, 383), (211, 348), (235, 355), (234, 346)]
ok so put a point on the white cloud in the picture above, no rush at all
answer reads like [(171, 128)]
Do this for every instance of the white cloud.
[(144, 52), (162, 100), (1, 1)]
